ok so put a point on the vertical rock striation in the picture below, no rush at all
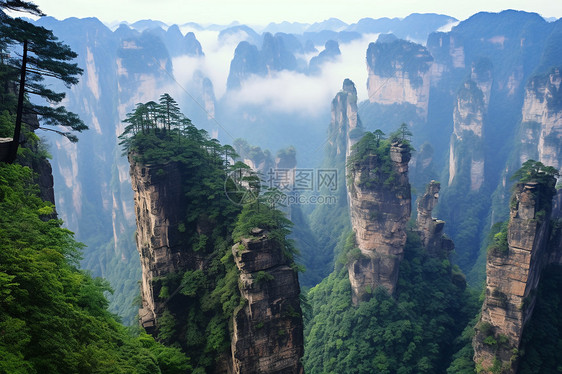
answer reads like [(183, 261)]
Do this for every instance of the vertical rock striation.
[(541, 127), (513, 272), (379, 214), (466, 154), (160, 207), (345, 126), (399, 72), (268, 330), (431, 229)]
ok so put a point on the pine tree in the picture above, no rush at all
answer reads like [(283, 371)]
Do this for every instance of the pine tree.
[(42, 56), (21, 6), (170, 111)]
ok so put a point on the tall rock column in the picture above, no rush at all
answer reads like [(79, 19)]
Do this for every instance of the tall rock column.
[(379, 214), (160, 207), (512, 275), (431, 229), (541, 123), (268, 330), (345, 125)]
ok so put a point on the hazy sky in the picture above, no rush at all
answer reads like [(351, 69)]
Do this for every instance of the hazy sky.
[(262, 12)]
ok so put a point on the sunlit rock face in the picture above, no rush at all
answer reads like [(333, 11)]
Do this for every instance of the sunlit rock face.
[(267, 332), (399, 72), (379, 214), (512, 276)]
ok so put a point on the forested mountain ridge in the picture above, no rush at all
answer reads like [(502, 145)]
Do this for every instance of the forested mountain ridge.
[(218, 275)]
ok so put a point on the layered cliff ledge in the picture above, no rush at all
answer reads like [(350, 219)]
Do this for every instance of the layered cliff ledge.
[(380, 207), (399, 72), (514, 266), (268, 330)]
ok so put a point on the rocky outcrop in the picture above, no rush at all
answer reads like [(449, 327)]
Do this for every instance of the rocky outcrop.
[(379, 214), (513, 271), (160, 208), (330, 53), (449, 54), (431, 229), (248, 60), (345, 126), (268, 330), (399, 72), (541, 124), (466, 153)]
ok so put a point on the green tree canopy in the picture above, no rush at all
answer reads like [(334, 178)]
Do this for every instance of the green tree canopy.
[(532, 170), (42, 57)]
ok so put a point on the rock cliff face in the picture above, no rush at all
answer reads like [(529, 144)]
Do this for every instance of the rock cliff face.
[(379, 214), (159, 210), (512, 275), (345, 126), (330, 53), (399, 72), (248, 60), (541, 127), (268, 330), (466, 154), (429, 228), (267, 335)]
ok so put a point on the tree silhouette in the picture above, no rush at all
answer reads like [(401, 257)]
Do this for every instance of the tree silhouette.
[(21, 6), (532, 170), (42, 56), (378, 135)]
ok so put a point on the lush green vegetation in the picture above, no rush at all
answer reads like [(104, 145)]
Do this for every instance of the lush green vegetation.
[(201, 301), (53, 317), (535, 171), (413, 332), (42, 56), (542, 338), (325, 225), (374, 145)]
